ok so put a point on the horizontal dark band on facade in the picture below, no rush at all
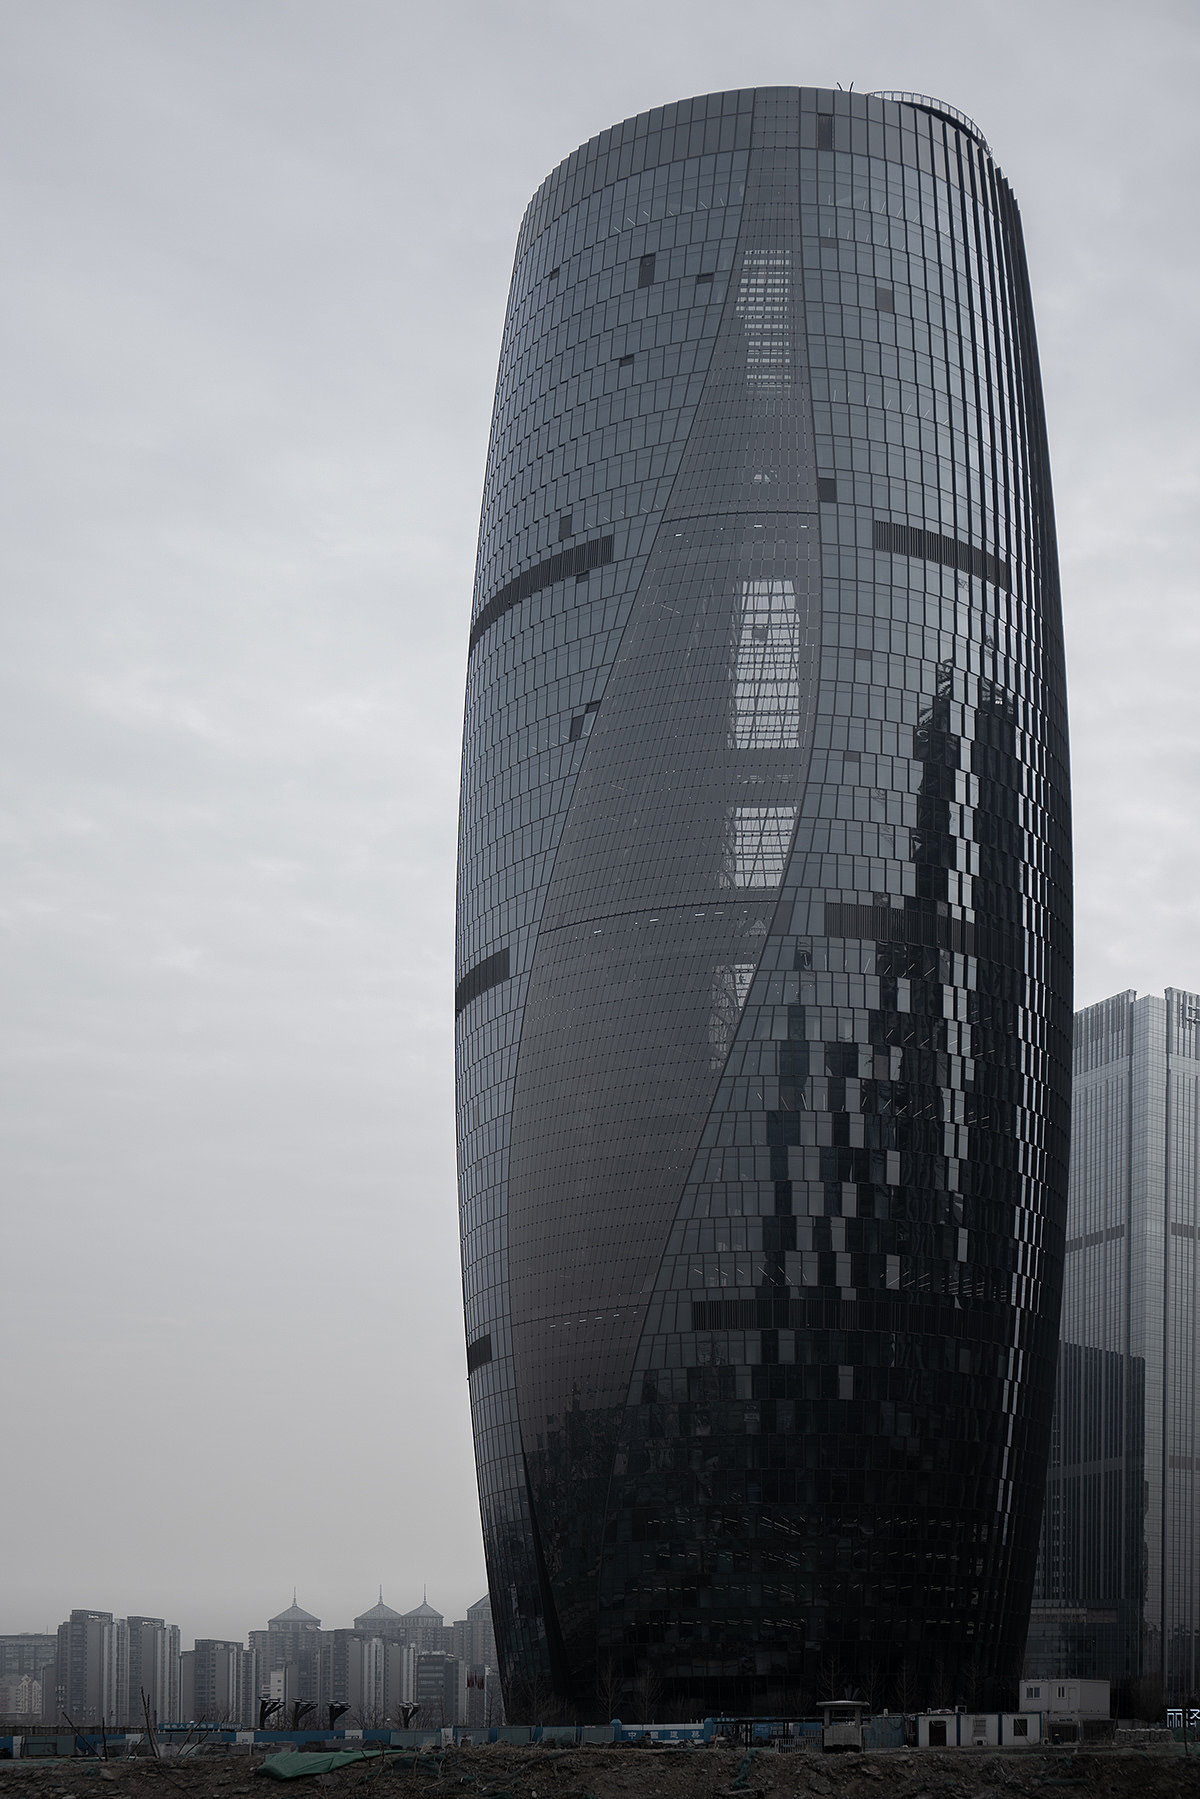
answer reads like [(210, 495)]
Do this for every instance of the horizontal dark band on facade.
[(742, 509), (479, 1353), (886, 924), (699, 908), (913, 1316), (578, 560), (1090, 1239), (488, 973), (911, 540), (1073, 1614)]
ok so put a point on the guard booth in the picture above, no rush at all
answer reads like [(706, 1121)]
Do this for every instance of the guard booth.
[(842, 1724)]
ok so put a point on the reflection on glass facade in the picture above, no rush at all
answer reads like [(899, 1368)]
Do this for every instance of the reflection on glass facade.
[(763, 997), (1118, 1580)]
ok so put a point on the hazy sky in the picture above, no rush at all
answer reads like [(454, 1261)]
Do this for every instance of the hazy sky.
[(256, 254)]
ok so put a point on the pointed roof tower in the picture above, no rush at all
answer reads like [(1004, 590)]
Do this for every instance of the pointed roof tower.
[(295, 1614), (424, 1610), (379, 1614)]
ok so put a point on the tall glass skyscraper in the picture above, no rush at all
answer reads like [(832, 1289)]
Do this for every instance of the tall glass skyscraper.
[(764, 918), (1118, 1589)]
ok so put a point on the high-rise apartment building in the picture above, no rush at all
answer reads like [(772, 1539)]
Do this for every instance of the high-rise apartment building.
[(151, 1669), (87, 1667), (371, 1675), (103, 1665), (427, 1629), (474, 1640), (219, 1683), (383, 1621), (27, 1676), (1118, 1589), (763, 983), (290, 1649)]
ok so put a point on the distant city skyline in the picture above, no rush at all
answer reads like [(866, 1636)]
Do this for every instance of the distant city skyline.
[(342, 1611), (99, 1667)]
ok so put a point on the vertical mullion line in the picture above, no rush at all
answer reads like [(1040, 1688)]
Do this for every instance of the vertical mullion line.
[(1017, 385), (986, 291), (974, 281), (1124, 1099), (985, 216), (969, 286), (1168, 1509), (1045, 544), (962, 525), (1194, 1468), (1015, 600), (924, 123), (991, 351)]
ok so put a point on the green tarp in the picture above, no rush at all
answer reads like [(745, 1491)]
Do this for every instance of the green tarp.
[(297, 1764), (294, 1765)]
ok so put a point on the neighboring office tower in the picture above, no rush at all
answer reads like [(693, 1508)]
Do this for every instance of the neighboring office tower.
[(764, 989), (1118, 1588), (1089, 1588)]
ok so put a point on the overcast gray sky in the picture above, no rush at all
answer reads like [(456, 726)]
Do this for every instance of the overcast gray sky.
[(256, 254)]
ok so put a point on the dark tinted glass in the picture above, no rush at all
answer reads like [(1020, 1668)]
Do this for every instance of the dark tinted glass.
[(763, 1143)]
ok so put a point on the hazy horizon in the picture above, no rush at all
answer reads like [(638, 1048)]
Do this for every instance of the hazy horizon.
[(258, 261)]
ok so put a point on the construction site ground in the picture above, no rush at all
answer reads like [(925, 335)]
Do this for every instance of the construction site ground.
[(634, 1772)]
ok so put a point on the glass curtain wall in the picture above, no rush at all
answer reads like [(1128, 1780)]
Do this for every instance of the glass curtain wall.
[(764, 920), (1118, 1588)]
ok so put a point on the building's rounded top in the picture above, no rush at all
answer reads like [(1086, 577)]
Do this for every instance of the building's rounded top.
[(295, 1614), (705, 124), (939, 109)]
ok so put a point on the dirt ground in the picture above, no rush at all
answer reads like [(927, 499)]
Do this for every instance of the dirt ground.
[(502, 1772)]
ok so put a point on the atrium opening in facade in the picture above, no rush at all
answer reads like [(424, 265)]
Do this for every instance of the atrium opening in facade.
[(764, 920)]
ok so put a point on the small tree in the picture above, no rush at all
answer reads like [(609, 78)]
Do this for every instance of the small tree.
[(648, 1694), (830, 1684), (610, 1687), (907, 1689)]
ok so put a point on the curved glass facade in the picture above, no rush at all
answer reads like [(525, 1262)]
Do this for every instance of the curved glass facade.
[(764, 991)]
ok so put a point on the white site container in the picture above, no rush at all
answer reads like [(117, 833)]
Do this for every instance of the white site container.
[(978, 1730), (1020, 1729), (1064, 1697)]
